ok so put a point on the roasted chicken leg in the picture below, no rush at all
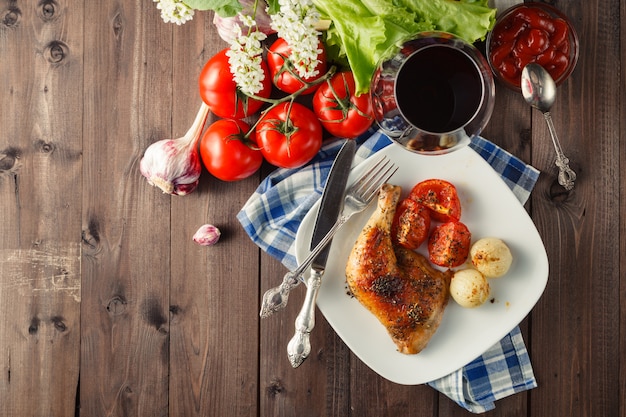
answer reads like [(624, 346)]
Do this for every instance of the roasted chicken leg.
[(398, 285)]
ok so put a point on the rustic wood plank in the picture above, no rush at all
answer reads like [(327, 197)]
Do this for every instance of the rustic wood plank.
[(214, 335), (285, 391), (126, 243), (622, 227), (214, 290), (170, 328), (40, 164), (576, 323), (375, 396)]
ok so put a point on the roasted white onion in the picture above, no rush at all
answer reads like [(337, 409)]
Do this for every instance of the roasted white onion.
[(491, 256), (469, 288)]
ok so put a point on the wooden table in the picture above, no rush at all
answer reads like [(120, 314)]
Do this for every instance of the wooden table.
[(109, 309)]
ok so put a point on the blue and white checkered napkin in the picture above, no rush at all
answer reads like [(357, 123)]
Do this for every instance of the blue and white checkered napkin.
[(272, 215)]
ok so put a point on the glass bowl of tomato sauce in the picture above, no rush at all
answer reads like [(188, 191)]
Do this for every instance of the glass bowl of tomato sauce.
[(531, 32)]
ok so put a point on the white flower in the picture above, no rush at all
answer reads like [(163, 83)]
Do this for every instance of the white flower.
[(295, 24), (247, 20), (244, 57), (174, 11)]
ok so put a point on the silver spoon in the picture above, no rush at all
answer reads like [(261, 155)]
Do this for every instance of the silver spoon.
[(539, 90)]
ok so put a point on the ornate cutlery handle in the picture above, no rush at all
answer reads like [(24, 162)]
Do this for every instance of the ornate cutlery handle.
[(566, 175), (299, 346), (276, 298)]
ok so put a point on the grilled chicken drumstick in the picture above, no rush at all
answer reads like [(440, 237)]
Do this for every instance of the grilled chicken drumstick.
[(399, 286)]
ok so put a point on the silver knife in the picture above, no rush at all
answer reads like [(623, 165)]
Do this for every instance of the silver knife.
[(331, 205)]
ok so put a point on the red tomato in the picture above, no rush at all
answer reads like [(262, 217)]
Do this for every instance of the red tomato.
[(226, 153), (289, 135), (284, 75), (449, 244), (340, 111), (411, 224), (219, 91), (440, 197)]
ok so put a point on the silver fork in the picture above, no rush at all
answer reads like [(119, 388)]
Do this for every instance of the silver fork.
[(358, 197)]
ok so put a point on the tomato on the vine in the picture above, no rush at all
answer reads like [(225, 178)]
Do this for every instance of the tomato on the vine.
[(411, 224), (227, 153), (449, 244), (440, 197), (341, 112), (283, 73), (220, 92), (289, 135)]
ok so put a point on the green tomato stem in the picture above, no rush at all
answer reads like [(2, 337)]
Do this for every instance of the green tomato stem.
[(291, 97)]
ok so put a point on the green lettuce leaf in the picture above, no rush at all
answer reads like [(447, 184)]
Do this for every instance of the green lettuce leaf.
[(365, 31), (468, 19)]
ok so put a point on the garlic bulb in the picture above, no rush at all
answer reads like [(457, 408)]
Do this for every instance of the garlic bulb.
[(173, 165), (491, 256), (469, 288), (207, 235)]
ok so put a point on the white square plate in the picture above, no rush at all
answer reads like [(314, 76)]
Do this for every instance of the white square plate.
[(489, 209)]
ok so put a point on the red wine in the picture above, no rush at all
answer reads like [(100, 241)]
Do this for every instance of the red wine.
[(438, 89)]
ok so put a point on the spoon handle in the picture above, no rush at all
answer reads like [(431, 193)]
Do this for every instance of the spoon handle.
[(566, 175)]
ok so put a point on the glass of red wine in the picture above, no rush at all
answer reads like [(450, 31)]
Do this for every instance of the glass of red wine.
[(433, 94)]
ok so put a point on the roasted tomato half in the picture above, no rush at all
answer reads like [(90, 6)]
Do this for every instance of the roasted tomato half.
[(411, 224), (449, 244), (440, 197)]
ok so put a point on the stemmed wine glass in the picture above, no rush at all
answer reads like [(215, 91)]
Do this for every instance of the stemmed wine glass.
[(434, 93)]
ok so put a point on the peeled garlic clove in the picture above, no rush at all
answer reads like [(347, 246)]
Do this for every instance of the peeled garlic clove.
[(172, 165), (491, 256), (207, 235), (469, 288)]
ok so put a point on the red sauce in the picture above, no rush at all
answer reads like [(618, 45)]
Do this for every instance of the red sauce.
[(527, 35)]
